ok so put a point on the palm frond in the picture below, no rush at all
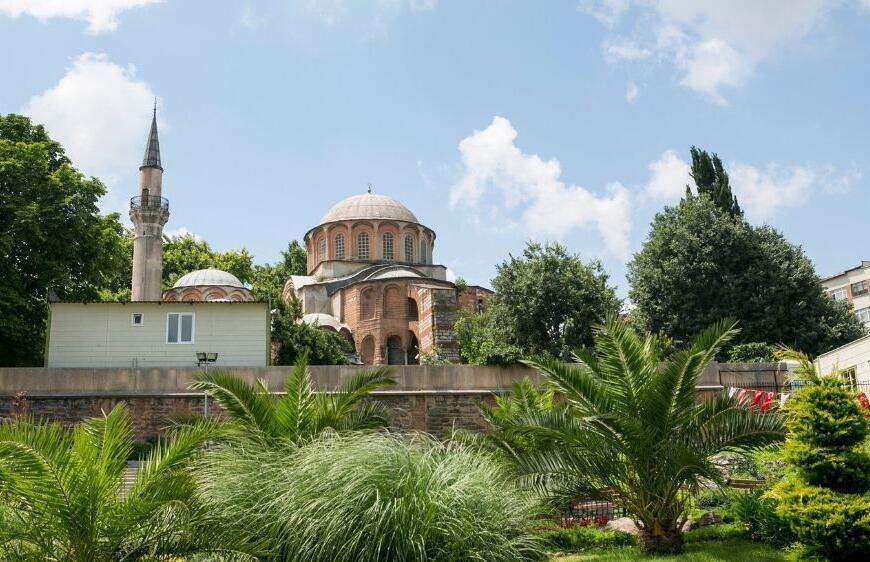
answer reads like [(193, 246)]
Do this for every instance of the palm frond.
[(240, 400)]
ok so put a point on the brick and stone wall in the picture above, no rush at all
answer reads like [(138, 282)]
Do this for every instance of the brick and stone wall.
[(426, 398)]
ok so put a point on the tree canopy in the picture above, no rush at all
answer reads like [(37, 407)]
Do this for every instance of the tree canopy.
[(701, 263), (53, 239), (547, 300), (711, 179)]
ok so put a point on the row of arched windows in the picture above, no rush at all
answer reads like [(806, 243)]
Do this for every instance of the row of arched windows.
[(394, 305), (388, 250)]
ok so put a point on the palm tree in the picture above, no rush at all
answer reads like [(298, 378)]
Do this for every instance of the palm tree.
[(301, 413), (62, 494), (631, 428)]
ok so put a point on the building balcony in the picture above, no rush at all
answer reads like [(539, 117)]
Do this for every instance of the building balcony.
[(149, 202)]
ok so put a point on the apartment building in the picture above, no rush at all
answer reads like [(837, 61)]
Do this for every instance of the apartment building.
[(853, 286)]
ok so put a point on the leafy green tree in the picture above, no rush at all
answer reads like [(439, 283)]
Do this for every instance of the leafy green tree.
[(827, 500), (186, 253), (480, 343), (300, 414), (53, 240), (296, 339), (711, 179), (700, 264), (268, 280), (752, 352), (547, 300), (630, 427), (62, 495)]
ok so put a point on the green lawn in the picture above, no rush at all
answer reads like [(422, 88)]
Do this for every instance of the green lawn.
[(724, 551)]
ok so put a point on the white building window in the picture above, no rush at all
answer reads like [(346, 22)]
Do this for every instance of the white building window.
[(179, 327), (863, 314), (839, 294), (850, 378), (388, 246), (137, 319), (409, 248), (321, 249), (859, 288), (339, 247), (362, 246)]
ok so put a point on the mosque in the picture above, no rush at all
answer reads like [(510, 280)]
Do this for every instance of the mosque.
[(371, 277)]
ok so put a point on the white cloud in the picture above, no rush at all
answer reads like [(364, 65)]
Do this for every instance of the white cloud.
[(101, 15), (100, 112), (607, 12), (499, 180), (182, 231), (669, 176), (631, 92), (716, 45), (761, 192)]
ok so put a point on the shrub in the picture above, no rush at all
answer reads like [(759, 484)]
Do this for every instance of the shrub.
[(758, 513), (826, 428), (829, 523), (369, 497), (826, 500), (576, 539)]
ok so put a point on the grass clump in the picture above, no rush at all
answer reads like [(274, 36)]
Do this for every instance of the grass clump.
[(369, 497), (579, 539), (724, 551)]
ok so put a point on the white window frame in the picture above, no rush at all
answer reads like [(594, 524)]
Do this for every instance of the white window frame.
[(141, 316), (863, 314), (839, 294), (362, 241), (850, 377), (192, 328), (321, 249)]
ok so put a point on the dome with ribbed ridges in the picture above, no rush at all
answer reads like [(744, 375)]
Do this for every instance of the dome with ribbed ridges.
[(369, 206), (210, 277)]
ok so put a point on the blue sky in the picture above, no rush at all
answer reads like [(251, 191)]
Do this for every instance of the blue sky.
[(495, 122)]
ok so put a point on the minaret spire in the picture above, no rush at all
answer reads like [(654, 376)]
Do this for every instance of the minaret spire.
[(152, 149)]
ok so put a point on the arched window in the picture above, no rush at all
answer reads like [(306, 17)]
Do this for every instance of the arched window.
[(362, 245), (367, 304), (388, 246), (393, 303), (413, 314), (409, 248), (339, 247), (321, 249), (423, 251)]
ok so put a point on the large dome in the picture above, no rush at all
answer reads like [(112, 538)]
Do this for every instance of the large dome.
[(208, 277), (369, 206)]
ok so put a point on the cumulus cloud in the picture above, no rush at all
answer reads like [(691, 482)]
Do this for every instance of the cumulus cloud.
[(101, 15), (500, 180), (762, 192), (669, 176), (100, 112), (715, 45), (183, 231)]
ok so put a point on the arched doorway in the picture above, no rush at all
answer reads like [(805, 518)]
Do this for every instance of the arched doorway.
[(413, 349), (395, 352)]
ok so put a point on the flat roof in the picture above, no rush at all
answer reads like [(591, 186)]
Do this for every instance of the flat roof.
[(864, 264)]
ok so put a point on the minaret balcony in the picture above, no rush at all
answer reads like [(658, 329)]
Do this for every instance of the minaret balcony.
[(149, 202)]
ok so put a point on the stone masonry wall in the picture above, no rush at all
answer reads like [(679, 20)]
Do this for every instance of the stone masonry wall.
[(426, 398)]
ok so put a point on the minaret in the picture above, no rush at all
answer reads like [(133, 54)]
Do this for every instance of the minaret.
[(149, 212)]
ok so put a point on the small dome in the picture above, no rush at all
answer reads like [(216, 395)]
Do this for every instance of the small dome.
[(369, 206), (208, 277)]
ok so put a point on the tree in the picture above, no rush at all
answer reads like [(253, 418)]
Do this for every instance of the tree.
[(711, 179), (700, 264), (52, 237), (268, 280), (186, 253), (827, 497), (547, 300), (630, 428), (480, 342), (61, 494), (300, 414)]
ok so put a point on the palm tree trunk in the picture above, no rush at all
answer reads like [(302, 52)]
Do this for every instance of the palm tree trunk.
[(658, 539)]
